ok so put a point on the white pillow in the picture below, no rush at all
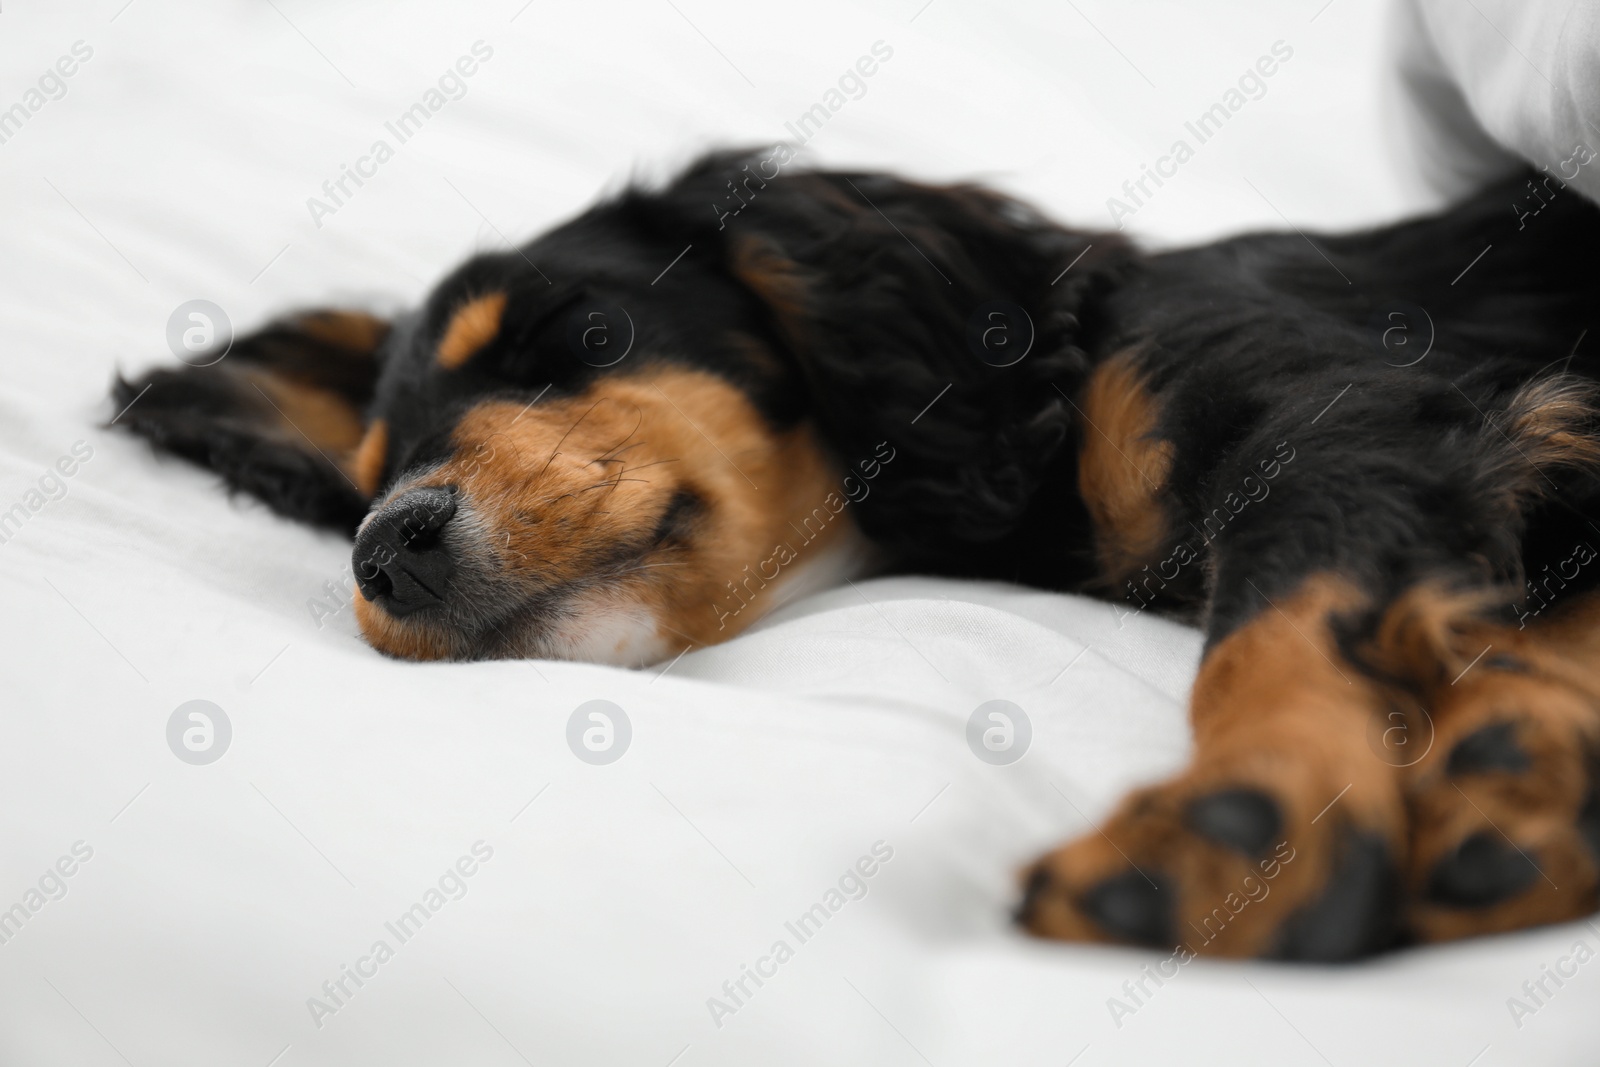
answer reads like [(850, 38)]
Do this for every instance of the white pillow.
[(1489, 83)]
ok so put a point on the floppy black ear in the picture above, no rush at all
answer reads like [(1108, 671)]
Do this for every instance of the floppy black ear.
[(280, 414), (948, 321)]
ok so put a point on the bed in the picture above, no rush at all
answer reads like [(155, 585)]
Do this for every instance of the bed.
[(236, 835)]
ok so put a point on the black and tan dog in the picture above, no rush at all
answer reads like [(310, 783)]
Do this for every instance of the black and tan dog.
[(1366, 464)]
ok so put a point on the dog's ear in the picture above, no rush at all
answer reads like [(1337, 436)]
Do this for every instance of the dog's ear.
[(946, 324), (280, 414)]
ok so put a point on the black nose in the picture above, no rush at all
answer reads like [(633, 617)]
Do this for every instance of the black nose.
[(399, 559)]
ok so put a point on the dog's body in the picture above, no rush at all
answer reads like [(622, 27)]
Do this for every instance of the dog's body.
[(1337, 454)]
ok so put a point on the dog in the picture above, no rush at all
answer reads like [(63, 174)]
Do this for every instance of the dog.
[(1368, 465)]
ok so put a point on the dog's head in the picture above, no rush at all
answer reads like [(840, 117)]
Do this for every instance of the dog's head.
[(641, 431)]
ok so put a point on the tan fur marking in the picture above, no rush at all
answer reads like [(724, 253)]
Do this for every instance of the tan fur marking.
[(366, 465), (1555, 420), (355, 330), (1422, 639), (473, 325), (775, 278), (1432, 634), (1283, 676), (329, 420), (1275, 708), (1552, 424), (756, 351), (394, 637), (1122, 468), (1542, 682), (569, 493)]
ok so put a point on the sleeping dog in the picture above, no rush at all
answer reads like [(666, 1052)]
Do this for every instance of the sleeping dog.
[(1366, 465)]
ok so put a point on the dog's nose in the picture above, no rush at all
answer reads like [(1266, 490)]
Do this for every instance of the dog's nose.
[(400, 560)]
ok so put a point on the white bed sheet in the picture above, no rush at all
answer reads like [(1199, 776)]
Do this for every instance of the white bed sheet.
[(216, 900)]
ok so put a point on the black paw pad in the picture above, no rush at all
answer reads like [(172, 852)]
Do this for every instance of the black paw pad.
[(1493, 748), (1245, 819), (1038, 882), (1355, 913), (1589, 822), (1133, 908), (1484, 869)]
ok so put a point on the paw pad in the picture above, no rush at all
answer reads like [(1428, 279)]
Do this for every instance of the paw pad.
[(1482, 870), (1355, 914), (1492, 748), (1133, 908), (1244, 819), (1038, 881), (1589, 823)]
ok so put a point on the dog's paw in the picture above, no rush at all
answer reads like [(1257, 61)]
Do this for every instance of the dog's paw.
[(1284, 837), (1504, 810), (1268, 854)]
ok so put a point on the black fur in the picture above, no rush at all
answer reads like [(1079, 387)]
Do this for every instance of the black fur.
[(217, 414), (1249, 340), (1251, 345)]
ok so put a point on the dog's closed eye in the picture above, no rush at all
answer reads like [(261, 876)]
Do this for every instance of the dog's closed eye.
[(678, 521)]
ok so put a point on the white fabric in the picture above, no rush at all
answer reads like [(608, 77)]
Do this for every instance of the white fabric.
[(218, 899), (1495, 82)]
